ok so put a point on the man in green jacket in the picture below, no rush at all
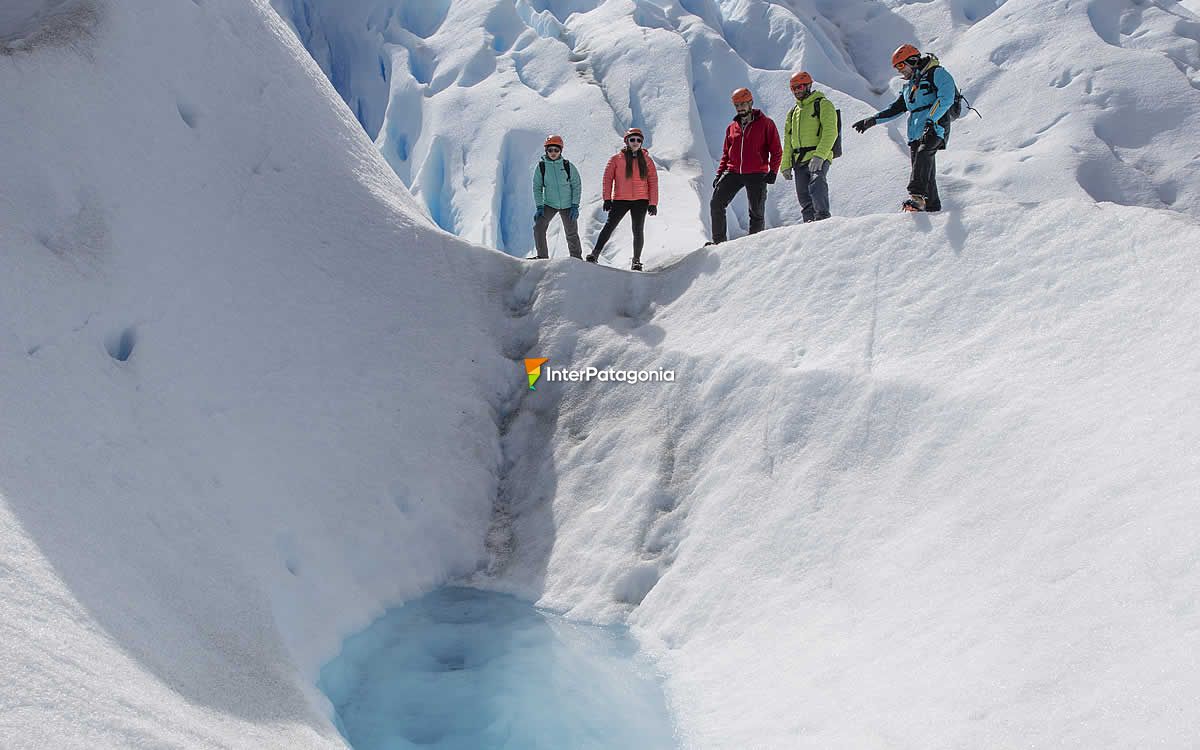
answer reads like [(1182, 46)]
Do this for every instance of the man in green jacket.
[(808, 139), (556, 192)]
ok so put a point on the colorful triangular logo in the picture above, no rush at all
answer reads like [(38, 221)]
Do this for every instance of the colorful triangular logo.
[(533, 370)]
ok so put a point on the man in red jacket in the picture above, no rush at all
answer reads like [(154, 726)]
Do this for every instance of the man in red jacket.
[(750, 159)]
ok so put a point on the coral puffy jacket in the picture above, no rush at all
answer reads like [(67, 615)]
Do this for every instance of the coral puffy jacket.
[(636, 188), (753, 149)]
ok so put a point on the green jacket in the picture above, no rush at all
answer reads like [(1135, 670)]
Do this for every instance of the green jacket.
[(805, 133), (556, 191)]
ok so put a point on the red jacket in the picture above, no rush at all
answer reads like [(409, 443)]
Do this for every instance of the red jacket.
[(635, 188), (753, 149)]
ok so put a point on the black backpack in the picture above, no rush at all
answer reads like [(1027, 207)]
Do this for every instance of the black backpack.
[(566, 168), (958, 108), (837, 144)]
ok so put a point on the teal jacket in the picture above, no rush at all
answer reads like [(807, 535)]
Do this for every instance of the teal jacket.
[(926, 98), (556, 190)]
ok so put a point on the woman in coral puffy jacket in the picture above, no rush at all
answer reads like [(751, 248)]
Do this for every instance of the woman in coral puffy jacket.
[(630, 187)]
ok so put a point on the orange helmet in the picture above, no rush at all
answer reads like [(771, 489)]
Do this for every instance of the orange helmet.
[(633, 131), (801, 79), (554, 140), (742, 95), (904, 52)]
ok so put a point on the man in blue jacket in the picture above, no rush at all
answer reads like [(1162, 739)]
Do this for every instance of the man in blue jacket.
[(927, 96), (556, 192)]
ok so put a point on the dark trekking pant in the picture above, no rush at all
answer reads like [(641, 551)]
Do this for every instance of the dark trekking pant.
[(729, 186), (812, 194), (636, 209), (570, 227), (924, 170)]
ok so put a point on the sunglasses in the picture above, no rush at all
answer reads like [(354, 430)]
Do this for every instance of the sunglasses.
[(634, 139), (802, 87), (553, 148)]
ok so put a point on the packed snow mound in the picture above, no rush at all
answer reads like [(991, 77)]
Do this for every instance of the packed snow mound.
[(1097, 100), (918, 482), (228, 436)]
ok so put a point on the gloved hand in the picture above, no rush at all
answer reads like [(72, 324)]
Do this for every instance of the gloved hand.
[(652, 210), (787, 174), (771, 178), (574, 212), (607, 205), (929, 140), (864, 125), (816, 165), (538, 213), (718, 178)]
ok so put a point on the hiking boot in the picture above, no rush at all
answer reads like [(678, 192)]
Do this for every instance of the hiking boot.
[(914, 203), (635, 266), (592, 258), (710, 242)]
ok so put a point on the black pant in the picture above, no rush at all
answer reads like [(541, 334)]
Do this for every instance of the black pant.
[(636, 209), (924, 170), (729, 186)]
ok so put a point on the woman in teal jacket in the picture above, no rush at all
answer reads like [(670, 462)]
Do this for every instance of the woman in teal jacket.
[(927, 96), (556, 192)]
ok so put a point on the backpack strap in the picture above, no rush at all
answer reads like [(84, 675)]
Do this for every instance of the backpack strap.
[(566, 167)]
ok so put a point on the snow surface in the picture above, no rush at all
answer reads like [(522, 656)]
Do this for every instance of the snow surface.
[(921, 482)]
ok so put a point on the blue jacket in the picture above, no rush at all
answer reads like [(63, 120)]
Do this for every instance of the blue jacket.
[(926, 97), (556, 191)]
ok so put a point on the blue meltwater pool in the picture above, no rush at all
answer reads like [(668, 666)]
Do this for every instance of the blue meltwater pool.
[(462, 669)]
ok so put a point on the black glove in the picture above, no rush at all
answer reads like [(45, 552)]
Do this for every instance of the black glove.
[(929, 140), (864, 125), (652, 210), (607, 205), (771, 178), (718, 178)]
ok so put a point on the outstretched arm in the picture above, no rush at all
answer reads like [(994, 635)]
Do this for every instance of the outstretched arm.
[(893, 110)]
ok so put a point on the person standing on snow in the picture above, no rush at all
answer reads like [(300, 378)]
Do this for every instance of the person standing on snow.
[(808, 137), (556, 192), (927, 96), (750, 158), (630, 187)]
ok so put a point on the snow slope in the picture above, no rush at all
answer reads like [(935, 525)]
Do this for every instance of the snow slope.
[(227, 437), (1096, 100), (921, 482)]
